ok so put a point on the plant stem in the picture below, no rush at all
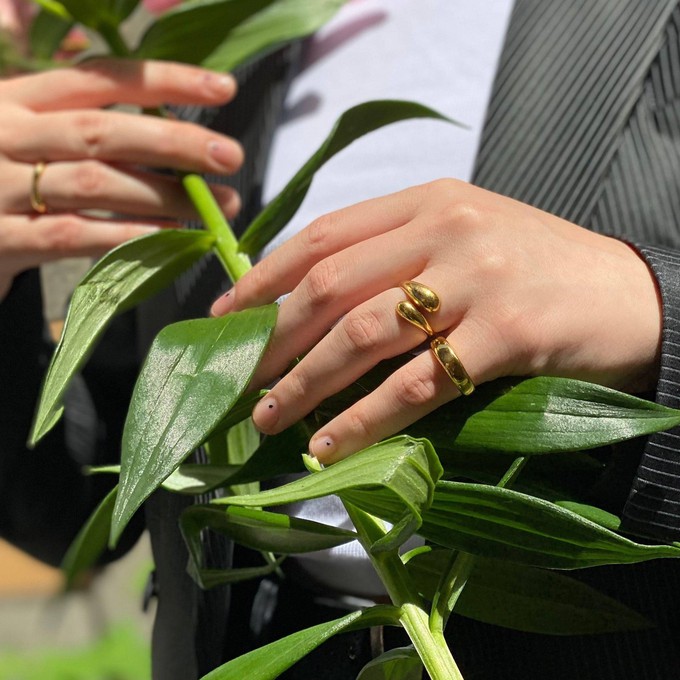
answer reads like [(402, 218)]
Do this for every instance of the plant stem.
[(450, 587), (513, 472), (226, 245), (430, 645)]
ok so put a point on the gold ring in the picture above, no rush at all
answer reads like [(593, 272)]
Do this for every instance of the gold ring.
[(421, 299), (37, 202), (421, 296), (452, 365)]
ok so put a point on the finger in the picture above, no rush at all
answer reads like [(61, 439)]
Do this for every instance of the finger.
[(407, 395), (331, 289), (103, 82), (360, 340), (27, 241), (281, 271), (119, 137), (91, 185)]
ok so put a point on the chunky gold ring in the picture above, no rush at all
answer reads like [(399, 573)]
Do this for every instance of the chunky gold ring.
[(421, 299), (452, 365), (37, 202), (421, 296)]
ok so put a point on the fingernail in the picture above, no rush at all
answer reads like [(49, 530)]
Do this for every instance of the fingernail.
[(321, 447), (228, 154), (148, 229), (223, 305), (220, 84), (266, 413)]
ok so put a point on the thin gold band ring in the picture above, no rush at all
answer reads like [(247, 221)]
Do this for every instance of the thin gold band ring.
[(37, 202)]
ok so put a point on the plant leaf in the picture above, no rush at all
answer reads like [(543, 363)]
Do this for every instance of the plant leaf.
[(542, 415), (405, 468), (174, 406), (257, 529), (352, 124), (47, 33), (527, 598), (268, 662), (90, 542), (98, 13), (210, 578), (55, 7), (400, 663), (119, 281), (222, 34), (501, 523)]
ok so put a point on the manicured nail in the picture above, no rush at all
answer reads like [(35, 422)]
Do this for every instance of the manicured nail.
[(148, 228), (228, 154), (321, 447), (266, 413), (223, 305)]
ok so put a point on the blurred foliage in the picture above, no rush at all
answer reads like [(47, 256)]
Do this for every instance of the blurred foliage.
[(121, 654)]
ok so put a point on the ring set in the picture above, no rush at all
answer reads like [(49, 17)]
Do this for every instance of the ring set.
[(423, 300)]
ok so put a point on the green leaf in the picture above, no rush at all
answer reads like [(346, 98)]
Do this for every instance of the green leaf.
[(279, 23), (47, 32), (542, 415), (352, 124), (596, 515), (528, 599), (119, 281), (268, 662), (242, 441), (405, 468), (222, 34), (99, 13), (401, 663), (501, 523), (195, 372), (90, 542), (257, 529), (54, 7)]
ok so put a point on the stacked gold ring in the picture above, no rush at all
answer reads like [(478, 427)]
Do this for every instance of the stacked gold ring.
[(423, 300)]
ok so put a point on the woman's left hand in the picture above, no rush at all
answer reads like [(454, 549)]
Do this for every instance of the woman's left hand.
[(522, 293)]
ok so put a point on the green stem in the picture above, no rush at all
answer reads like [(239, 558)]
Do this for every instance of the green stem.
[(450, 587), (513, 472), (430, 645), (226, 245)]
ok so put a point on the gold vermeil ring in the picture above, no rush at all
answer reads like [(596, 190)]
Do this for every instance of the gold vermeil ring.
[(452, 365), (408, 311), (421, 296), (37, 202)]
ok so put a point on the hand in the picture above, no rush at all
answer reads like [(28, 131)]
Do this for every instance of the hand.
[(522, 293), (94, 157)]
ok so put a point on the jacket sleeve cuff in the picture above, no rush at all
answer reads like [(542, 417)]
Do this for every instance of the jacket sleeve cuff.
[(653, 506)]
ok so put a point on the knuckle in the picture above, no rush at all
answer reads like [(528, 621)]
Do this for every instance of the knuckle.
[(255, 285), (363, 331), (93, 129), (322, 283), (359, 424), (62, 235), (412, 388), (90, 180), (296, 386), (317, 234)]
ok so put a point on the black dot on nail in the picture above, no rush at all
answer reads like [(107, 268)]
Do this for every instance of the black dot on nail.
[(328, 443), (270, 406)]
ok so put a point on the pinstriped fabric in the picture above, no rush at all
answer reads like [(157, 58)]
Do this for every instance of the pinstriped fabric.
[(575, 71), (585, 123)]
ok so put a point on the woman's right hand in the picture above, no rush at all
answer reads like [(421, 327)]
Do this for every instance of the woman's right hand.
[(97, 159)]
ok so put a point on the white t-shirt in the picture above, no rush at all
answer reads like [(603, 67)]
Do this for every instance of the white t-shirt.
[(441, 53)]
